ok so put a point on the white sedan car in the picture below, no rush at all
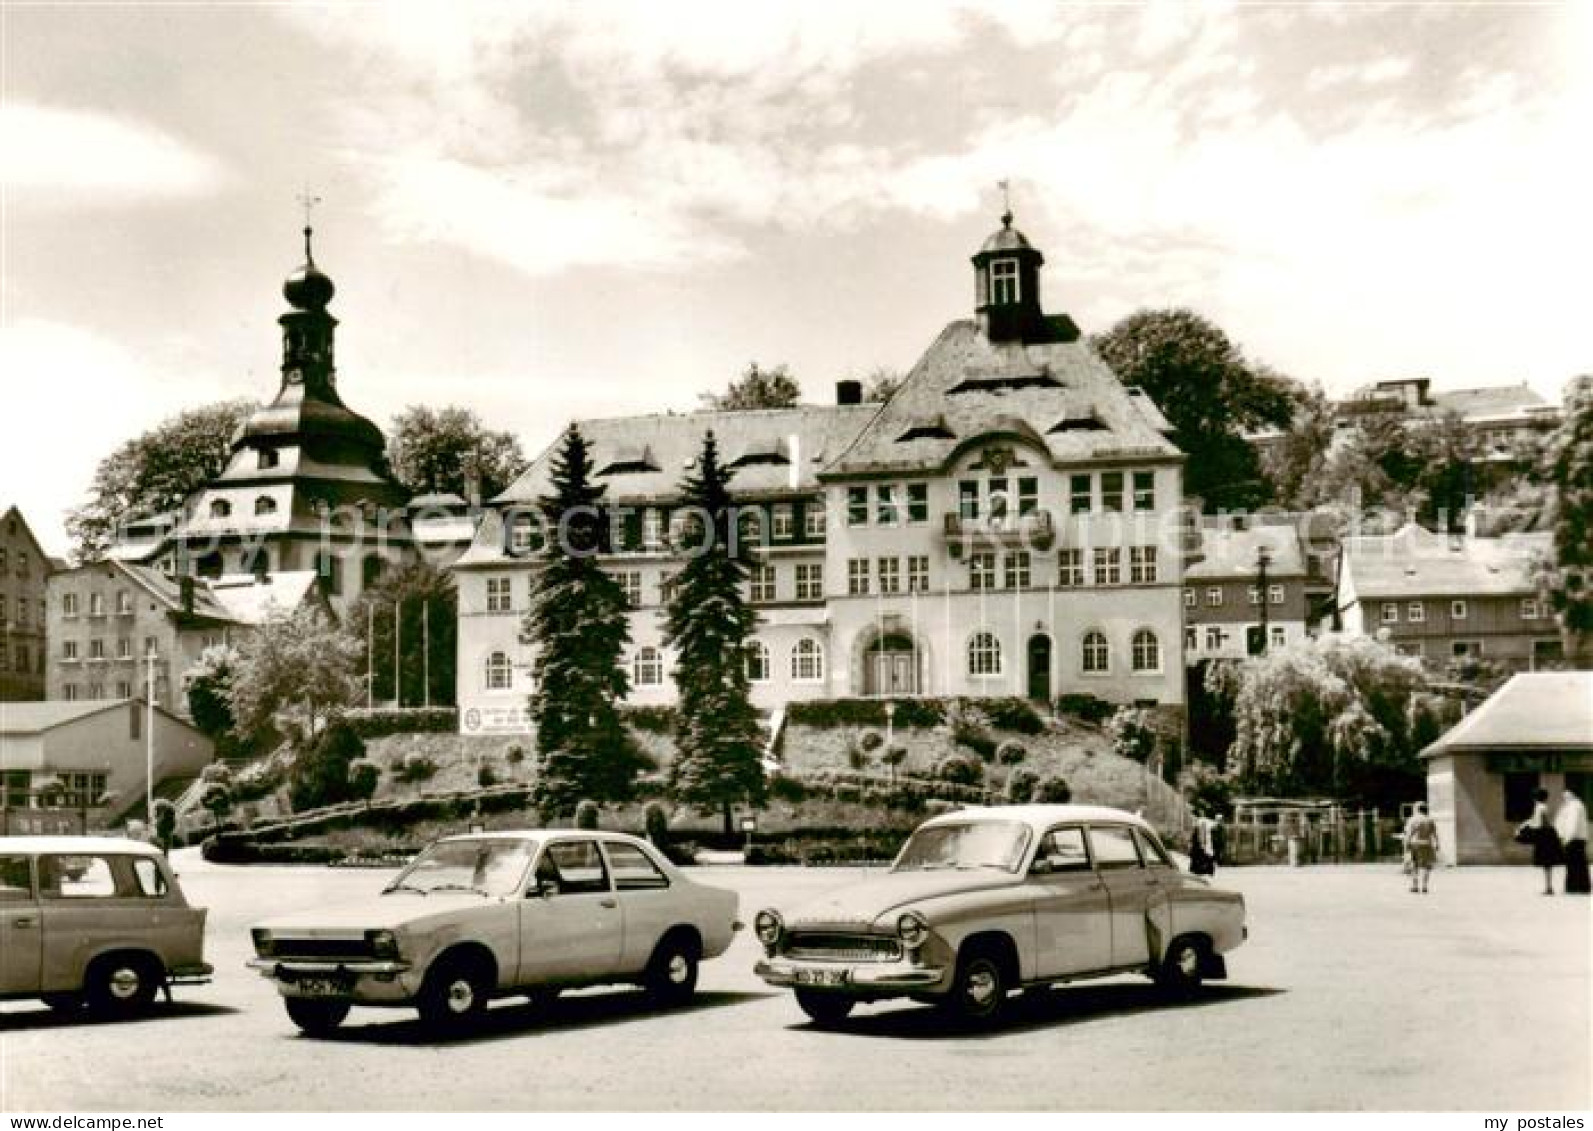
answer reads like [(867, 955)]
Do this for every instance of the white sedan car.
[(496, 915)]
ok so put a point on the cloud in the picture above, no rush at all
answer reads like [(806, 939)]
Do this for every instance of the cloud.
[(1378, 72), (74, 158)]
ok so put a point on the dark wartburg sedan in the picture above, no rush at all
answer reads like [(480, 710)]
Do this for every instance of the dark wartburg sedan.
[(983, 901)]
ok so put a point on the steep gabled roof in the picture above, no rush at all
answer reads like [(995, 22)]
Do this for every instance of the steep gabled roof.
[(1057, 394), (1535, 710)]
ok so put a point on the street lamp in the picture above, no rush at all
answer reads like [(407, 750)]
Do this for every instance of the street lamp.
[(890, 722), (149, 738)]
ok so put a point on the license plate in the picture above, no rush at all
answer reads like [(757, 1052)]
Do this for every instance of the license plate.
[(807, 976), (319, 987)]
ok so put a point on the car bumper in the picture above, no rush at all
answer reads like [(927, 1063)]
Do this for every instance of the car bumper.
[(368, 982), (871, 979), (190, 974)]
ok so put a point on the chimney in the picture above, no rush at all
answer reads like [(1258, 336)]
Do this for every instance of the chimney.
[(849, 392), (186, 585)]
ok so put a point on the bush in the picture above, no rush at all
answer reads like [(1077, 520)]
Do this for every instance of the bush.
[(855, 758), (1053, 791), (1206, 788), (486, 776), (586, 815), (363, 777), (866, 712), (1011, 752), (975, 739), (1084, 706), (1021, 785), (871, 741), (415, 768), (787, 789), (320, 774), (380, 721), (655, 820), (1012, 714), (960, 771), (216, 773), (515, 754)]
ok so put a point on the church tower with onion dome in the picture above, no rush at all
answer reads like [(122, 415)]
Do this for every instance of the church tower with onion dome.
[(307, 487)]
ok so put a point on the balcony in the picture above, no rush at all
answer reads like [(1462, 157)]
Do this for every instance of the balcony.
[(1035, 530)]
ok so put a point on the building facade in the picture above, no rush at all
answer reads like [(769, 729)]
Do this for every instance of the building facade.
[(1236, 607), (24, 573), (1450, 598), (1009, 522)]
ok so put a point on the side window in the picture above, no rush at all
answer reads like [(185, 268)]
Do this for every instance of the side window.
[(76, 877), (1113, 846), (1064, 850), (575, 866), (151, 880), (633, 870), (1151, 849), (16, 879)]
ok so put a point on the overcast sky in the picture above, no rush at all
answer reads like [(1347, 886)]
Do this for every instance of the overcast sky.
[(551, 211)]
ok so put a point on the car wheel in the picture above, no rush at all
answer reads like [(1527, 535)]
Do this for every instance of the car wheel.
[(122, 984), (979, 990), (315, 1017), (672, 974), (1181, 968), (825, 1009), (454, 994)]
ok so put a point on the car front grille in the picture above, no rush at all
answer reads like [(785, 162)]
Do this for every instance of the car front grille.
[(326, 949), (817, 947)]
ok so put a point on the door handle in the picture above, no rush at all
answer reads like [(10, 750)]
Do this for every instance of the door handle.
[(607, 903), (25, 921)]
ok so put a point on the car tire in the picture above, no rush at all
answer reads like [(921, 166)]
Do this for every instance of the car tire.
[(120, 985), (825, 1009), (979, 988), (314, 1016), (1182, 966), (671, 977), (454, 994)]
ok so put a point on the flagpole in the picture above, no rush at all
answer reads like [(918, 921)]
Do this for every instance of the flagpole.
[(370, 655), (398, 629), (1017, 638), (425, 651), (945, 662)]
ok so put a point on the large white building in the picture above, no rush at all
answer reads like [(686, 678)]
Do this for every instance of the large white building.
[(1009, 522)]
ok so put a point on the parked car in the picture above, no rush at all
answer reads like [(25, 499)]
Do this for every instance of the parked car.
[(984, 901), (94, 920), (500, 914)]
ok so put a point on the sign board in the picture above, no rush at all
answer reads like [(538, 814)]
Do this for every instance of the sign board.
[(495, 720)]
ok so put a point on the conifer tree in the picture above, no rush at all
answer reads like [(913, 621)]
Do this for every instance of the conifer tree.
[(709, 624), (579, 629)]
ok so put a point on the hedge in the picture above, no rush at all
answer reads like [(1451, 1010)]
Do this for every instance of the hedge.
[(1009, 713), (381, 721), (1089, 708)]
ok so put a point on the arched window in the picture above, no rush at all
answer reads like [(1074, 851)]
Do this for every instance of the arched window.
[(1097, 654), (265, 504), (220, 508), (499, 673), (1147, 651), (649, 667), (984, 654), (807, 661), (757, 661)]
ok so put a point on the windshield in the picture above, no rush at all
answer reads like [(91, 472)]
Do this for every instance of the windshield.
[(491, 867), (985, 844)]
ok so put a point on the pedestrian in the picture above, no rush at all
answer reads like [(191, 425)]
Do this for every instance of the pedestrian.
[(1421, 847), (1202, 861), (1570, 822), (1219, 841), (1539, 832)]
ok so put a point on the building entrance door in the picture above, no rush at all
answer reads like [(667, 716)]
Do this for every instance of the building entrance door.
[(1040, 668), (891, 668)]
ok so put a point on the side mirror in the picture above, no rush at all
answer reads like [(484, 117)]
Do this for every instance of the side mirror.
[(546, 889), (1041, 867)]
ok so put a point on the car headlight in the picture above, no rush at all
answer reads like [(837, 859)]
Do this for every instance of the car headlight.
[(912, 929), (383, 944), (264, 944), (767, 926)]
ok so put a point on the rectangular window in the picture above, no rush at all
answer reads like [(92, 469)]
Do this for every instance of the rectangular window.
[(96, 604), (857, 506), (652, 528), (918, 502), (124, 690), (1080, 495), (1017, 569), (1108, 567), (761, 583), (1190, 599), (69, 604), (890, 575), (1142, 564), (1390, 613), (1466, 649), (630, 581), (996, 496), (810, 582), (1144, 490), (813, 519), (1416, 612), (1274, 594), (1004, 282), (1190, 640), (124, 602), (124, 648), (1070, 568), (1279, 638), (69, 692), (1253, 595), (1111, 491), (1214, 637), (96, 649), (918, 574), (1529, 608), (1458, 610), (1214, 597), (781, 521), (968, 500), (499, 599), (982, 571), (1028, 495), (857, 577), (69, 650), (520, 536), (885, 505)]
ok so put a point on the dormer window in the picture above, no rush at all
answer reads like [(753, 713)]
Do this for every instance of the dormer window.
[(269, 458), (265, 504), (1004, 282), (220, 508)]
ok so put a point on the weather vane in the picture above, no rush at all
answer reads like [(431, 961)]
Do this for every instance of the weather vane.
[(1006, 200), (308, 200)]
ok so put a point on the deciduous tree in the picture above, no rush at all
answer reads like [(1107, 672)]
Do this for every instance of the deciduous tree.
[(759, 388), (1566, 579), (439, 450), (297, 666)]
